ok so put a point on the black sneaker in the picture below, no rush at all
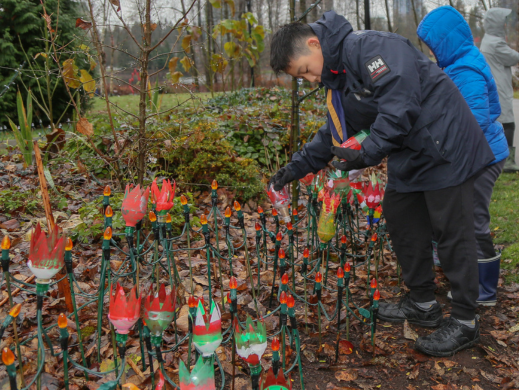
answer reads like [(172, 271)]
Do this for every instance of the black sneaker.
[(450, 338), (407, 310)]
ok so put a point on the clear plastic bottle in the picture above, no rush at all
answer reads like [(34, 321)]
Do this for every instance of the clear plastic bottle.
[(281, 202)]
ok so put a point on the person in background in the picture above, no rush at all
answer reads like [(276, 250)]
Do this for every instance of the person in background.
[(501, 58), (448, 36)]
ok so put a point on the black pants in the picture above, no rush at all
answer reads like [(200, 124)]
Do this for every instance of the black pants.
[(509, 129), (448, 215)]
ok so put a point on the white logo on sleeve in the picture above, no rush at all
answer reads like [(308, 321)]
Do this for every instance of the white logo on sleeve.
[(377, 68)]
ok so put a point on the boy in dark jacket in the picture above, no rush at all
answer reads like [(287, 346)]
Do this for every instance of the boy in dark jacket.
[(418, 118)]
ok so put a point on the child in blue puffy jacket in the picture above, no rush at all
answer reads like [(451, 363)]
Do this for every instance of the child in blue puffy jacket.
[(448, 36)]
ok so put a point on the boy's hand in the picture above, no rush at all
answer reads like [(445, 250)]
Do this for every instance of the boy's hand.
[(353, 159), (281, 178)]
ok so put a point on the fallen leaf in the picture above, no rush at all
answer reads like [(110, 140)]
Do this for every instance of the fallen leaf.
[(345, 347), (346, 375), (85, 127), (409, 333)]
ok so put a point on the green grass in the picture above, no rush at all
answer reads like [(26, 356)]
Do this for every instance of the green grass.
[(516, 95), (505, 222), (130, 103)]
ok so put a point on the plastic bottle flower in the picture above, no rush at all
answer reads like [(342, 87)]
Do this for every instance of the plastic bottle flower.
[(307, 180), (207, 333), (373, 193), (271, 382), (163, 199), (201, 378), (46, 254), (124, 312), (341, 181), (251, 343), (326, 226), (280, 200), (134, 204), (356, 141), (158, 310)]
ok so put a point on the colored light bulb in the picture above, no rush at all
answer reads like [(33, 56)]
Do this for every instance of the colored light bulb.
[(347, 267), (7, 356), (168, 218), (257, 226), (62, 321), (203, 219), (289, 226), (214, 185), (107, 191), (233, 283), (191, 301), (279, 236), (374, 237), (306, 253), (283, 298), (373, 283), (275, 344), (260, 210), (15, 310), (291, 301), (344, 240), (68, 245), (340, 273), (294, 212), (108, 233), (274, 213), (6, 243), (183, 200), (237, 205), (281, 254), (284, 278), (109, 213), (228, 212), (318, 277), (376, 295), (152, 216)]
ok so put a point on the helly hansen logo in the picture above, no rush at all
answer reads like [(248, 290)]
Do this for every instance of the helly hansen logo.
[(377, 68)]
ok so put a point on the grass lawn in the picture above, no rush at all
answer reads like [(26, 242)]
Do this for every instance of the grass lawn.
[(516, 94), (505, 222), (130, 103)]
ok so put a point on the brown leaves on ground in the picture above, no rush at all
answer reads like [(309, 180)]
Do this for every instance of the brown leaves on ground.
[(85, 127)]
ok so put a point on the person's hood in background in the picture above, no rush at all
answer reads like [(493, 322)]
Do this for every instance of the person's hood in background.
[(494, 21), (447, 34), (331, 30)]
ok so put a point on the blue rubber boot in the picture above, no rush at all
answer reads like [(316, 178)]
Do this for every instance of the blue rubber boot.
[(488, 278)]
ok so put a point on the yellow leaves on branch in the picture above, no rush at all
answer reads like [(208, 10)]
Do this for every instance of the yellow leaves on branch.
[(175, 76), (186, 43), (218, 63), (85, 127), (70, 75), (89, 84), (187, 63)]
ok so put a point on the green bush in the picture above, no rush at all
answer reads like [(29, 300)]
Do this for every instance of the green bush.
[(13, 200)]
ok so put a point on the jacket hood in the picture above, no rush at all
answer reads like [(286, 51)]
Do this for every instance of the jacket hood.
[(447, 34), (494, 21), (331, 30)]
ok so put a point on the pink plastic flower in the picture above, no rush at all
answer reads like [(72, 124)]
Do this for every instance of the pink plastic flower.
[(163, 198), (124, 312), (46, 253), (134, 204)]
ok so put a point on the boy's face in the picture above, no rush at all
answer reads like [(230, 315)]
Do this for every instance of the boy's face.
[(308, 66)]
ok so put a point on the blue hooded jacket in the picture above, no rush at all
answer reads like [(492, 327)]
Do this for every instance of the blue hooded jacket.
[(448, 36)]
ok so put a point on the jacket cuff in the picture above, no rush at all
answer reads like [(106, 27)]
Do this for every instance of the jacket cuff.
[(295, 171), (371, 159)]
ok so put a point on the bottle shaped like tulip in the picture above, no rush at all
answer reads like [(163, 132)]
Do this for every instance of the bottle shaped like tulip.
[(201, 378), (164, 198), (159, 309), (355, 142), (326, 227), (207, 333), (46, 254), (280, 201), (270, 381), (124, 311)]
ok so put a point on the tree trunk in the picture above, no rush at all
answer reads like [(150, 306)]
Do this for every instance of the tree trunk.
[(388, 17)]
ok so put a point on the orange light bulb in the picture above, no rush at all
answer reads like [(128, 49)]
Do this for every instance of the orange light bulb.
[(373, 283), (168, 218), (318, 277), (233, 283), (257, 226), (152, 216), (62, 321), (191, 301), (274, 213), (260, 210), (284, 278), (6, 243), (183, 200), (69, 245), (289, 226), (108, 233), (347, 267), (344, 240), (237, 205), (214, 185), (279, 236), (228, 212), (203, 219), (7, 356), (306, 253), (109, 213), (294, 212), (376, 295), (291, 301), (374, 237), (15, 310), (283, 298), (281, 254), (340, 273), (275, 344), (107, 191)]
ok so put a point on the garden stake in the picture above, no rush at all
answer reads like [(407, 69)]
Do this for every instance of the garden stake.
[(62, 324), (214, 204), (183, 202), (340, 281), (318, 279)]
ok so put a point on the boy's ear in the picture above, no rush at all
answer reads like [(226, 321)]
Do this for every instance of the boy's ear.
[(313, 42)]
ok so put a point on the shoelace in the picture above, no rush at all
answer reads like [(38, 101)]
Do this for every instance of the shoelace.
[(448, 327)]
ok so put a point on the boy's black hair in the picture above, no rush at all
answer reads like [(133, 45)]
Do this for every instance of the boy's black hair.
[(289, 43)]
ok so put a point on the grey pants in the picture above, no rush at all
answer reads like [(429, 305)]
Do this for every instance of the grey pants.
[(483, 187)]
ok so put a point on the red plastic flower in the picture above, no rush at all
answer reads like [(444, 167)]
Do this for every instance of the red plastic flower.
[(134, 204), (159, 309), (124, 312), (372, 195), (269, 380), (307, 180), (46, 253), (163, 198)]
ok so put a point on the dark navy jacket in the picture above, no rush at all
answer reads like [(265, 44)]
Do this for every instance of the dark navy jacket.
[(415, 113)]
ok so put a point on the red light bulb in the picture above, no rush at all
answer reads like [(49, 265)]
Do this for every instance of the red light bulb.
[(281, 254), (306, 253), (275, 344), (257, 226), (279, 237), (291, 301), (374, 237), (191, 301), (340, 273), (318, 277), (274, 213), (373, 283), (376, 295), (289, 226), (347, 267), (344, 240), (294, 212), (283, 298), (233, 283), (260, 210), (284, 278)]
